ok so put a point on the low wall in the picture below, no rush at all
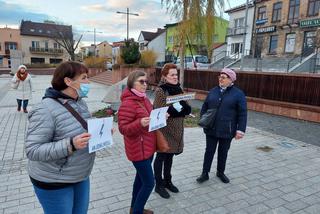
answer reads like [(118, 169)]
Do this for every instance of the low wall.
[(122, 72), (292, 110)]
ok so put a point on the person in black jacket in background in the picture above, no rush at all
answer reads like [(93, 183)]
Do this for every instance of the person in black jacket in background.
[(230, 122), (174, 130)]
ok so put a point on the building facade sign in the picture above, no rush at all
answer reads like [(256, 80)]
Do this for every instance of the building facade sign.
[(261, 21), (269, 29), (310, 23)]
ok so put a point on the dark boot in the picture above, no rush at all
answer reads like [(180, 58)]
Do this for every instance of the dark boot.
[(161, 190), (203, 177), (25, 110), (169, 185), (223, 177), (145, 211), (19, 109)]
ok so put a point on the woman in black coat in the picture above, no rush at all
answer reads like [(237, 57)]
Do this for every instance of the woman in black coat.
[(230, 122)]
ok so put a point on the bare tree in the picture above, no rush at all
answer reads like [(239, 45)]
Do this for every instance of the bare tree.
[(63, 35)]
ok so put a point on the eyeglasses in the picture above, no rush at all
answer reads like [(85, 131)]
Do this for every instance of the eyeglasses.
[(223, 77), (142, 82)]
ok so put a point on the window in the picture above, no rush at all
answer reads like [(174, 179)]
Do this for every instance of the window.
[(1, 60), (294, 7), (170, 39), (262, 12), (236, 48), (290, 42), (314, 7), (46, 45), (11, 46), (239, 23), (276, 14), (32, 30), (55, 45), (273, 44), (35, 44), (0, 46), (215, 38), (141, 46), (40, 31)]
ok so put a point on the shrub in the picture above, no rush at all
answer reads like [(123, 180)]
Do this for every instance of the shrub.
[(130, 52), (148, 58), (95, 62)]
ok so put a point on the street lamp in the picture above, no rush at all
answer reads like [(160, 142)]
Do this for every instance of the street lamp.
[(127, 13), (94, 39)]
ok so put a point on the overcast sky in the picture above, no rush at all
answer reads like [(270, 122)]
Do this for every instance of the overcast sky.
[(86, 15)]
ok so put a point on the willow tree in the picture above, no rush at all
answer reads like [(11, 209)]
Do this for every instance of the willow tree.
[(190, 15)]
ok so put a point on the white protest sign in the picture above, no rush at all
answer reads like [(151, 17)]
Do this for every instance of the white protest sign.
[(158, 118), (180, 97), (101, 134)]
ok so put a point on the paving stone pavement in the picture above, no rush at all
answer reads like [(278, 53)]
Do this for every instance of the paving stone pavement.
[(284, 180)]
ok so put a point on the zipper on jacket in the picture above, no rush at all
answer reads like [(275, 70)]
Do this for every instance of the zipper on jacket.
[(142, 148), (62, 165)]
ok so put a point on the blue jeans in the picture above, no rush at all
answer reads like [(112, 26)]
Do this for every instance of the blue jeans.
[(25, 104), (143, 185), (73, 199)]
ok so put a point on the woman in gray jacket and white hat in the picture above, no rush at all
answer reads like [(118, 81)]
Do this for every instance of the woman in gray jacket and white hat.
[(56, 143), (23, 85)]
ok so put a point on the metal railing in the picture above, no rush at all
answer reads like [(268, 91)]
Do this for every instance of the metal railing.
[(46, 50), (299, 58), (235, 31)]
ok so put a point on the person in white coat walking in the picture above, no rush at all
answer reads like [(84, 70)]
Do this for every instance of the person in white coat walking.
[(23, 85)]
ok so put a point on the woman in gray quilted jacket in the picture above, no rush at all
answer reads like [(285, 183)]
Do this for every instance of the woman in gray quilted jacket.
[(56, 143)]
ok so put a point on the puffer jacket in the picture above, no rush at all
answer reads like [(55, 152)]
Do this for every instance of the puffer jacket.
[(139, 143), (50, 128), (24, 89), (231, 115)]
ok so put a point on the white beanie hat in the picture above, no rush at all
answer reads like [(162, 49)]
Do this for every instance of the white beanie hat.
[(22, 66)]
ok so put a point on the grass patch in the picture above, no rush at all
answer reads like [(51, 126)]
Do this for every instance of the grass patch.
[(192, 121), (188, 121)]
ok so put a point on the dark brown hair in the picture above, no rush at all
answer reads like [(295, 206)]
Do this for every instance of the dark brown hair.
[(166, 68), (66, 69), (133, 76)]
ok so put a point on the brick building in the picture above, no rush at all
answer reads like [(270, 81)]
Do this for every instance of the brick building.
[(286, 27)]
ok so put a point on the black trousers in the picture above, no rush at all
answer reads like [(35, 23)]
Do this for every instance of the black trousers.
[(162, 161), (223, 148)]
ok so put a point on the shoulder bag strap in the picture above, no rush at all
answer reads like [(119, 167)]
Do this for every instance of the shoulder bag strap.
[(74, 113)]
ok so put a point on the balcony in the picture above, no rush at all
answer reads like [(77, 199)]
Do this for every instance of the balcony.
[(235, 31), (49, 51)]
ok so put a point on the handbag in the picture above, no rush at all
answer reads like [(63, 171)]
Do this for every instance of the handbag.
[(162, 144), (206, 120)]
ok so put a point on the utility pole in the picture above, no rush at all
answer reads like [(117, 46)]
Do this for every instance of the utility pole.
[(244, 35), (94, 39), (127, 13)]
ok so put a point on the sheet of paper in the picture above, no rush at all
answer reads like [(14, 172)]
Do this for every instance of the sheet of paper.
[(100, 130), (177, 98), (158, 118)]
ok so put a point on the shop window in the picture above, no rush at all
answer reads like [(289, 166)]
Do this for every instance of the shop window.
[(294, 7), (313, 7), (273, 44), (262, 12), (276, 14), (290, 43)]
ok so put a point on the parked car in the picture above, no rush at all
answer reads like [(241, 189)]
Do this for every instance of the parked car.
[(197, 61), (108, 65)]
